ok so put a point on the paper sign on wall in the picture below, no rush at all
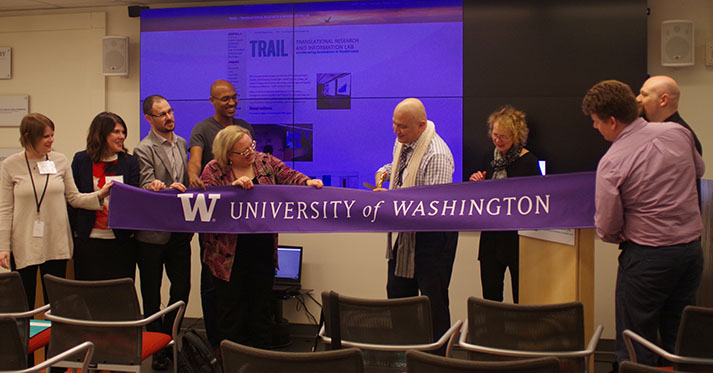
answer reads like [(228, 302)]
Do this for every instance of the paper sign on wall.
[(12, 109)]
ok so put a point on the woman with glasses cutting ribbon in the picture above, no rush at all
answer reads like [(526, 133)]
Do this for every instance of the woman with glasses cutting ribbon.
[(501, 250), (243, 265), (35, 187)]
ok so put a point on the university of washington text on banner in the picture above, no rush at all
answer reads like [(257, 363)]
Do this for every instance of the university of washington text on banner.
[(537, 202)]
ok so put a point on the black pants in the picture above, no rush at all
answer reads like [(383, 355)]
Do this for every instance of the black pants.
[(653, 286), (97, 259), (498, 251), (208, 303), (29, 277), (175, 256), (243, 303), (492, 276), (435, 253)]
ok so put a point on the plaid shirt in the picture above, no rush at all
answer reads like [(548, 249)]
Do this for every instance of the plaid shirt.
[(437, 165)]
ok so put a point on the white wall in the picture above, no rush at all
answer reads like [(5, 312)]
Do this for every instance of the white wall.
[(55, 64), (56, 60)]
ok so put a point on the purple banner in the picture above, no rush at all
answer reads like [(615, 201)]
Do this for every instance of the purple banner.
[(538, 202)]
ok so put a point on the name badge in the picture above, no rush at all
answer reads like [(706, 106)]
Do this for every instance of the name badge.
[(46, 167), (38, 229)]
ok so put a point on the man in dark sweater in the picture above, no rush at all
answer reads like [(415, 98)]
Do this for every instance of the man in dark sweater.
[(225, 102), (658, 102)]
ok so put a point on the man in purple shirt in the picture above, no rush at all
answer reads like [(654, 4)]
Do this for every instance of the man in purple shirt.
[(646, 201)]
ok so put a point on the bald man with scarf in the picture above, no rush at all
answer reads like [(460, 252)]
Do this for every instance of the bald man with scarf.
[(420, 261)]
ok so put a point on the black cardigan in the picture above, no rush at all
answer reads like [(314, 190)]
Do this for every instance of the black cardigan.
[(82, 221), (505, 245)]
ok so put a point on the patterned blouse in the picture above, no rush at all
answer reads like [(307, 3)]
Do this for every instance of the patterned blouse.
[(219, 248)]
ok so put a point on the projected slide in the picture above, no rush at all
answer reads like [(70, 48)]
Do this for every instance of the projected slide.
[(318, 81)]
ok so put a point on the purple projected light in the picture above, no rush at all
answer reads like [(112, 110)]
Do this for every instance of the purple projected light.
[(377, 52)]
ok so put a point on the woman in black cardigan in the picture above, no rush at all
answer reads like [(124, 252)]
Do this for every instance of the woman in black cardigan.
[(501, 250), (101, 253)]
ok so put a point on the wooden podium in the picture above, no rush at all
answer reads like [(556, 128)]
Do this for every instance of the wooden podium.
[(554, 272)]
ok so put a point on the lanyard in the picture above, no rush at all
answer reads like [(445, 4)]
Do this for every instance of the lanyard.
[(34, 189)]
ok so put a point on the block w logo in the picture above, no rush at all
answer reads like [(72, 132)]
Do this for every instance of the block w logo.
[(199, 207)]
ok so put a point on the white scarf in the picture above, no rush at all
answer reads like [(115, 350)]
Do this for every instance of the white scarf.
[(405, 255)]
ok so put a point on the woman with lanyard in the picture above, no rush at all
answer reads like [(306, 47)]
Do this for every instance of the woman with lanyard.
[(35, 186), (102, 253)]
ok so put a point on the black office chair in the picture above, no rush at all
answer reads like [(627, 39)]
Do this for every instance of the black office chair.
[(244, 359), (693, 351), (13, 303), (421, 362), (13, 353), (382, 328), (106, 313), (501, 331)]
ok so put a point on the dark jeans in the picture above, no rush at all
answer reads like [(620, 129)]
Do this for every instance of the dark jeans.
[(653, 286), (98, 259), (175, 256), (435, 253), (243, 303)]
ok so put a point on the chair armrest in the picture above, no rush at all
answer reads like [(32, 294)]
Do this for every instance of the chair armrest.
[(178, 319), (594, 341), (27, 314), (629, 335), (453, 340), (462, 343), (136, 323), (88, 346), (380, 347)]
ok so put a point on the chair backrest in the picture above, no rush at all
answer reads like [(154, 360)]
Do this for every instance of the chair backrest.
[(239, 358), (13, 299), (381, 321), (552, 327), (108, 300), (629, 367), (421, 362), (13, 353), (695, 333), (695, 336)]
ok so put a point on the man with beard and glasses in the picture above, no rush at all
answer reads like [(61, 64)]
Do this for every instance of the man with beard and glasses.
[(162, 159)]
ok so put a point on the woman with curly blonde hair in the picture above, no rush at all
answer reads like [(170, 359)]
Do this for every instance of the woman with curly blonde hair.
[(501, 250)]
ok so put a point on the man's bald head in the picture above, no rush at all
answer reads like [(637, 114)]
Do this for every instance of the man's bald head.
[(409, 120), (413, 108), (224, 100), (220, 85), (658, 98)]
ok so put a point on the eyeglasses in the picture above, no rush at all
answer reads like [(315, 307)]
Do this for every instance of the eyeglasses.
[(162, 115), (227, 98), (501, 137), (247, 151)]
